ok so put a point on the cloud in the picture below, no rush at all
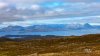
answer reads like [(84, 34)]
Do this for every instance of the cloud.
[(35, 7), (44, 9), (3, 5), (75, 20), (19, 1), (41, 1)]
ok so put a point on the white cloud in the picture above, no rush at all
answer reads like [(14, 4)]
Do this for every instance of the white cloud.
[(20, 1), (35, 7), (60, 10), (64, 8), (3, 5), (94, 20)]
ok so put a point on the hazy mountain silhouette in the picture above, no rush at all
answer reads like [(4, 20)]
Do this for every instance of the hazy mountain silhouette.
[(13, 30), (50, 27)]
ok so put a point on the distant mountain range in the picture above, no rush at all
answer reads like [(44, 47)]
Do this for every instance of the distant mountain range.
[(48, 28)]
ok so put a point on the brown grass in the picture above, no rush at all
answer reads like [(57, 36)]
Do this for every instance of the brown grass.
[(87, 45)]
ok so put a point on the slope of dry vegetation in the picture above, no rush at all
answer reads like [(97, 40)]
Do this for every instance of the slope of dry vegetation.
[(86, 45)]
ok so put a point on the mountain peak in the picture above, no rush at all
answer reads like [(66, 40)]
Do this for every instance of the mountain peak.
[(87, 25)]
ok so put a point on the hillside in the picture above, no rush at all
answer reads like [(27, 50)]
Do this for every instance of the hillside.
[(86, 45)]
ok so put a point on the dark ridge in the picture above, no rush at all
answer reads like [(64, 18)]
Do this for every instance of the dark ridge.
[(26, 37), (3, 39)]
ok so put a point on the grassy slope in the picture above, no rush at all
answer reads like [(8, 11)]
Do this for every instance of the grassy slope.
[(70, 46)]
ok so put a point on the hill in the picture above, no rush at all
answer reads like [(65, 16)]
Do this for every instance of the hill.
[(85, 45)]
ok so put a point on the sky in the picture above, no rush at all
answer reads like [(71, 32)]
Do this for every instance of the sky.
[(29, 12)]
